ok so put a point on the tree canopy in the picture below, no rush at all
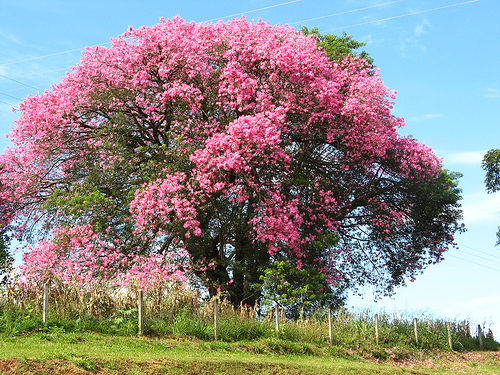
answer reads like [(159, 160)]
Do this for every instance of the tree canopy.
[(220, 150), (491, 164)]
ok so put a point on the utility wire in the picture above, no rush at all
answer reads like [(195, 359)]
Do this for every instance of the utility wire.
[(255, 10), (404, 15), (22, 88), (477, 256), (52, 54), (12, 105), (10, 96), (349, 11), (21, 83), (479, 251), (470, 261), (80, 49), (103, 44), (35, 74)]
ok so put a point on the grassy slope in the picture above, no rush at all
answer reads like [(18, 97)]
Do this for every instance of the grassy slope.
[(82, 353)]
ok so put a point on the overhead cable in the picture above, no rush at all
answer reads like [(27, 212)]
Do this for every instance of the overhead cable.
[(470, 261), (404, 15), (478, 256), (479, 251), (346, 12), (21, 83), (255, 10), (103, 44), (52, 54)]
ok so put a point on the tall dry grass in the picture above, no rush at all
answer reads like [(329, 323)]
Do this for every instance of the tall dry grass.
[(174, 308)]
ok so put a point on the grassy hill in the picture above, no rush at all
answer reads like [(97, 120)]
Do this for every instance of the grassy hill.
[(97, 334), (91, 353)]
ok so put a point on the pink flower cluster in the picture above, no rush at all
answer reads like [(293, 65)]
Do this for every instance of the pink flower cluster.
[(78, 256)]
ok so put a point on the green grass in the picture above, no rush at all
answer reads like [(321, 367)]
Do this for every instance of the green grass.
[(178, 339), (82, 353)]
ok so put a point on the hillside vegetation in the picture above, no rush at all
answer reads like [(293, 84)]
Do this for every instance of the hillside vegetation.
[(97, 333)]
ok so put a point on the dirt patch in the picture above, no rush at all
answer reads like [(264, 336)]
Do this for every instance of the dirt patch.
[(468, 363), (152, 367), (34, 366)]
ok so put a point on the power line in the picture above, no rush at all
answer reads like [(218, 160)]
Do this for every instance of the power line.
[(349, 11), (35, 74), (21, 83), (404, 15), (103, 44), (478, 256), (470, 261), (479, 251), (22, 88), (9, 104), (52, 54), (252, 11), (10, 96)]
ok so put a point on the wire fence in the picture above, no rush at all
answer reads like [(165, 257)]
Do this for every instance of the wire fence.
[(333, 327)]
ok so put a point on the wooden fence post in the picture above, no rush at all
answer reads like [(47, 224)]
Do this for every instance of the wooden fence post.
[(330, 326), (216, 318), (480, 334), (277, 317), (415, 328), (376, 329), (45, 307), (450, 342), (140, 311)]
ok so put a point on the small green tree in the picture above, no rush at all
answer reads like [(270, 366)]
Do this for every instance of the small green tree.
[(299, 291)]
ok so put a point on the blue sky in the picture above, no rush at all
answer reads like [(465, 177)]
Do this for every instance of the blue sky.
[(440, 55)]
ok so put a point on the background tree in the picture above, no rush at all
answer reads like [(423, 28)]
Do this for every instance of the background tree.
[(300, 291), (337, 47), (491, 164), (219, 150), (6, 259)]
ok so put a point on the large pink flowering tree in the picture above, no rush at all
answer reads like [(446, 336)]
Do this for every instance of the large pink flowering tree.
[(218, 150)]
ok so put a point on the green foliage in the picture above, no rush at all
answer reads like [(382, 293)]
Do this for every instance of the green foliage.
[(337, 47), (6, 258), (353, 333), (234, 328), (85, 363), (300, 291), (187, 324), (491, 164)]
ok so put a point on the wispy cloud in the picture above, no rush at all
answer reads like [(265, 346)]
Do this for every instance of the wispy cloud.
[(10, 38), (426, 117), (491, 93), (465, 158), (481, 207), (484, 301), (421, 27)]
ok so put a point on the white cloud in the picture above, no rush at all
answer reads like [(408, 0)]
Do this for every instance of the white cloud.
[(426, 117), (368, 39), (9, 38), (481, 207), (465, 158), (484, 302), (491, 93), (421, 27)]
